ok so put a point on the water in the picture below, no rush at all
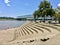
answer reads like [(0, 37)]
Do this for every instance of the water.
[(10, 24)]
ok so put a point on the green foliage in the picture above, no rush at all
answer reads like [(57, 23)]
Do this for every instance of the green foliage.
[(44, 9), (57, 14), (35, 14), (21, 19), (7, 18)]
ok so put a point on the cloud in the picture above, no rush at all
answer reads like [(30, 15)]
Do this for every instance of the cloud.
[(59, 5), (7, 2), (8, 5)]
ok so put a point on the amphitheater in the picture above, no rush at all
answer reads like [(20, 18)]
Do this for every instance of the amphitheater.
[(31, 33)]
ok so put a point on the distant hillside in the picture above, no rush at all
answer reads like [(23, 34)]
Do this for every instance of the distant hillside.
[(25, 16), (6, 18)]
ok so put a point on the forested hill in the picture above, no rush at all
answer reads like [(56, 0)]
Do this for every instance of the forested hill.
[(6, 18)]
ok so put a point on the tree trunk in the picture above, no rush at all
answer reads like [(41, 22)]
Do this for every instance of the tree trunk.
[(56, 20), (34, 20), (44, 19), (59, 20)]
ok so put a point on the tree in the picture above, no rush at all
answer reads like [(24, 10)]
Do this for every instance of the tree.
[(44, 9), (59, 17), (57, 14), (35, 15)]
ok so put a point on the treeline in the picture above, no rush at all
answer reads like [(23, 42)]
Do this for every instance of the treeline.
[(20, 19), (7, 18), (11, 18)]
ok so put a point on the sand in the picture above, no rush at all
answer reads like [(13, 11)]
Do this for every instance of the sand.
[(31, 33)]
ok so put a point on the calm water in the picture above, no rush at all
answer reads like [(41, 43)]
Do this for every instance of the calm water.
[(10, 24)]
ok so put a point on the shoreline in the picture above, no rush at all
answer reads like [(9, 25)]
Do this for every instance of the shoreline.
[(10, 24)]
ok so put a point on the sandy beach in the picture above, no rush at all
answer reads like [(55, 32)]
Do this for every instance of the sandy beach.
[(31, 33)]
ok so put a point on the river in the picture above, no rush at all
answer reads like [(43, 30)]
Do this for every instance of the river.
[(10, 24)]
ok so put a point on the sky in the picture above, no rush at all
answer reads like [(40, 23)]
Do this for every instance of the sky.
[(14, 8)]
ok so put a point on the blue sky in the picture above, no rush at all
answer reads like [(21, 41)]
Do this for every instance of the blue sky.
[(14, 8)]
